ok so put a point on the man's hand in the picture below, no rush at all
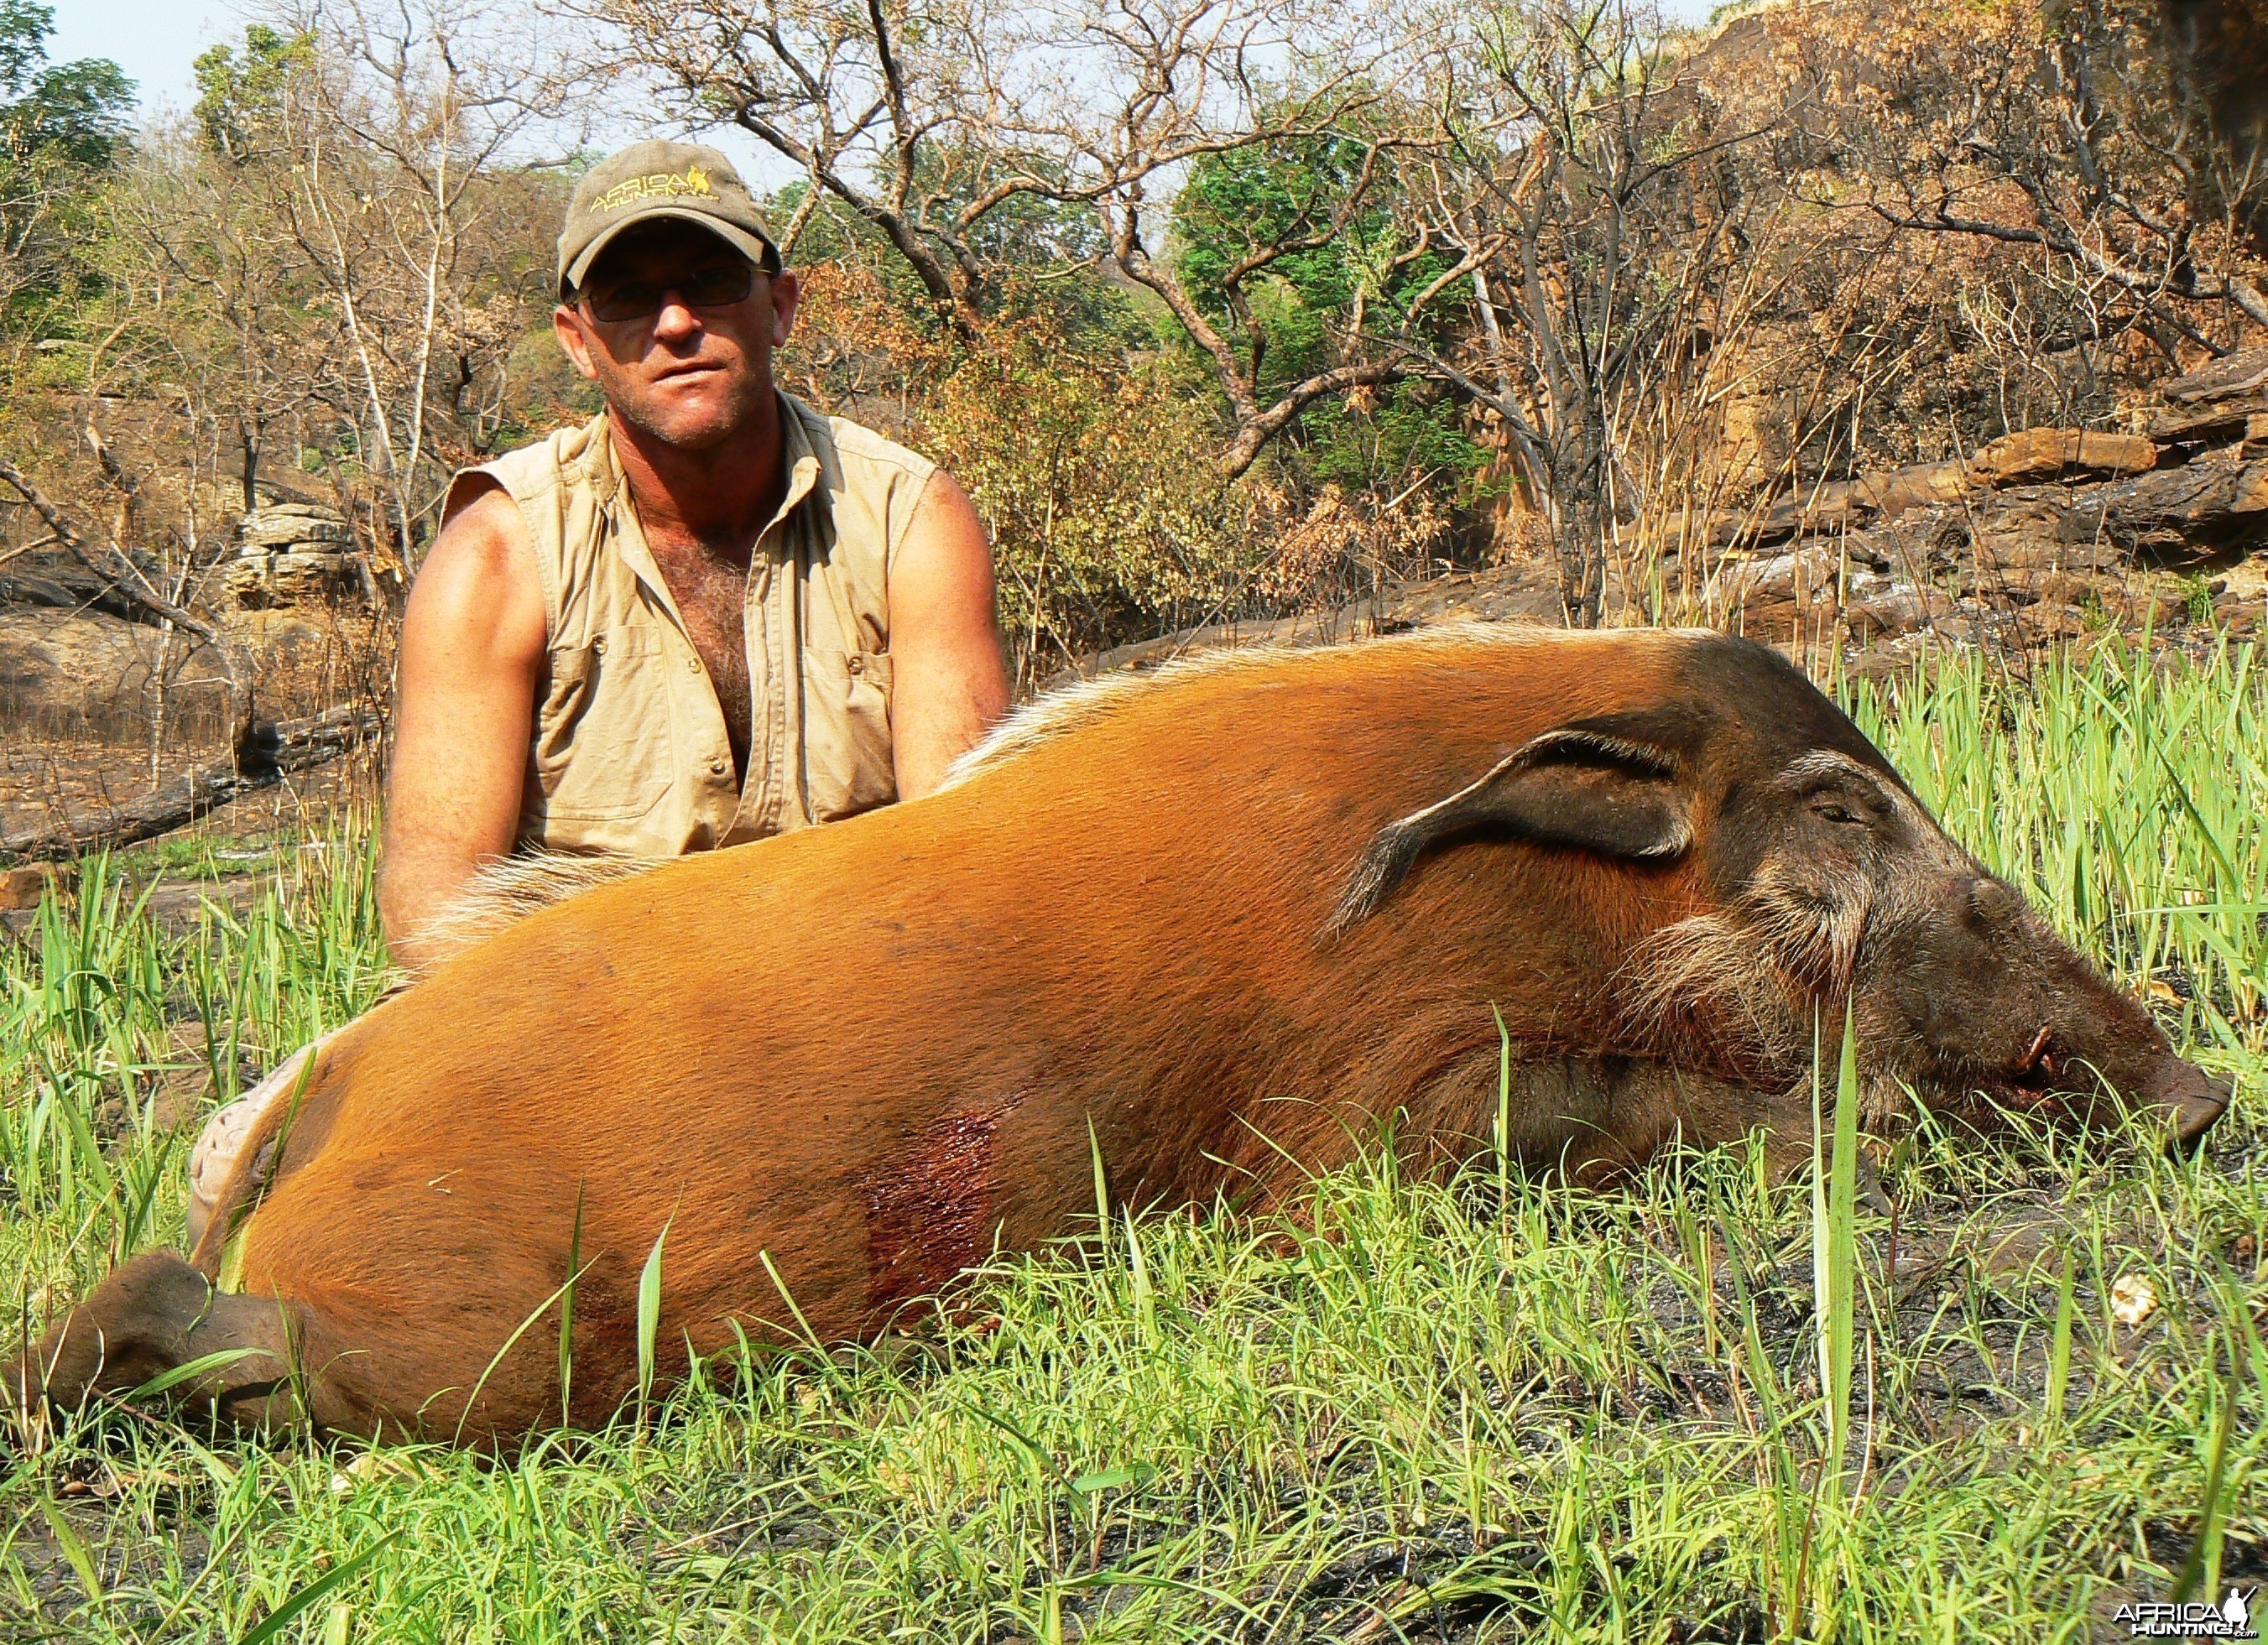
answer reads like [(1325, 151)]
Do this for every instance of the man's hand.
[(472, 653), (950, 682)]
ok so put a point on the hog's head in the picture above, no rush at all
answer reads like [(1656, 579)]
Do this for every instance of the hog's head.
[(1960, 991), (1826, 881)]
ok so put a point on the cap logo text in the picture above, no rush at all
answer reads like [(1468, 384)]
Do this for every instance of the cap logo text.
[(692, 179)]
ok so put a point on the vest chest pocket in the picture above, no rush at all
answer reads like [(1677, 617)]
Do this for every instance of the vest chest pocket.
[(604, 747), (847, 762)]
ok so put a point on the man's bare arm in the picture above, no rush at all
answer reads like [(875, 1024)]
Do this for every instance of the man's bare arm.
[(472, 653), (950, 680)]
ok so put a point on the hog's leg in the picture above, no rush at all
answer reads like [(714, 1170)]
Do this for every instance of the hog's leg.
[(1713, 1112), (1619, 1114), (1601, 1119), (157, 1313)]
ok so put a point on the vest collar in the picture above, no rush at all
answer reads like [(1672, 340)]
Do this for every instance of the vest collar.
[(803, 434), (799, 452), (806, 449)]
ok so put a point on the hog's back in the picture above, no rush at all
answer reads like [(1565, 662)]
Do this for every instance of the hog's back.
[(867, 1050)]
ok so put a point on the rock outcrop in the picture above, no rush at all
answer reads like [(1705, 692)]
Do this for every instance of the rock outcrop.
[(290, 554), (86, 672), (79, 657), (2047, 537)]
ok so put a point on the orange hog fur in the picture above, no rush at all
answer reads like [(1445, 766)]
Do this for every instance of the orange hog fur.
[(873, 1052)]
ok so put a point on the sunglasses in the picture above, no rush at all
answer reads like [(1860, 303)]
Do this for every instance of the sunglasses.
[(719, 286)]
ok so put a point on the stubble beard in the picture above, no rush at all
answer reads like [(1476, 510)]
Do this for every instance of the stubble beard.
[(715, 424)]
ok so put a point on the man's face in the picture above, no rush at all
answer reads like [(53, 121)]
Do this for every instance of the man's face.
[(690, 377)]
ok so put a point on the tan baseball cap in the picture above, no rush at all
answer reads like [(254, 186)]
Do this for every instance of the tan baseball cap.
[(659, 179)]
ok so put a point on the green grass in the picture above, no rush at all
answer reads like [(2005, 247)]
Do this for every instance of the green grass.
[(1480, 1410), (199, 857)]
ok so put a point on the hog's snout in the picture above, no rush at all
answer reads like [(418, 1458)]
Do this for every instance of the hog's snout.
[(2191, 1099)]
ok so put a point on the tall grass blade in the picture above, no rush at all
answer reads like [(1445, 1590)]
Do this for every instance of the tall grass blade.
[(1146, 1300), (74, 1549), (1502, 1140), (2059, 1340), (510, 1342), (2202, 1568), (649, 1317), (1101, 1188), (1834, 1242), (272, 1626), (567, 1310), (189, 1371)]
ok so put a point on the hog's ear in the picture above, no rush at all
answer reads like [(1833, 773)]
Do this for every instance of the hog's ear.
[(1618, 785)]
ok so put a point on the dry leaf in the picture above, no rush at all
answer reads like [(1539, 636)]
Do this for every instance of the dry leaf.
[(2133, 1299), (373, 1465)]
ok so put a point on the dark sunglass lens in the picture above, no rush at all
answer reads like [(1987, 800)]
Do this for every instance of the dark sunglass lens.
[(703, 287), (709, 288), (630, 301)]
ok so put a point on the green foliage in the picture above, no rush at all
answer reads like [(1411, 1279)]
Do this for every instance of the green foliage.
[(62, 127), (238, 98), (1292, 313), (1239, 203), (1046, 243), (2197, 598), (104, 1011), (1106, 520), (2120, 800), (1416, 432), (74, 113)]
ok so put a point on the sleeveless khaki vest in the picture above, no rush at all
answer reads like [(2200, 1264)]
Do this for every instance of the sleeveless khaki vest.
[(630, 751)]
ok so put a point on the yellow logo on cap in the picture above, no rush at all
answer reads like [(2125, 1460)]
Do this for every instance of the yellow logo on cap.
[(655, 186)]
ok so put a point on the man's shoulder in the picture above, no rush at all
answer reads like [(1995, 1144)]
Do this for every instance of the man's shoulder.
[(484, 537), (545, 461)]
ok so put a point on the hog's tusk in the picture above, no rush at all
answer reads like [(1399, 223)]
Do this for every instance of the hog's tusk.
[(2036, 1055)]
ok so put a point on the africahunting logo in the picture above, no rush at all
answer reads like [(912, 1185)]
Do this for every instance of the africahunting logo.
[(2162, 1619), (692, 179)]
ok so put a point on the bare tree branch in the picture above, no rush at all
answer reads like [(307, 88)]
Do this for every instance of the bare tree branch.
[(110, 561)]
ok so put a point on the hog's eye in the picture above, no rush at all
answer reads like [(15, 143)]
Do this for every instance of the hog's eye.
[(1833, 810)]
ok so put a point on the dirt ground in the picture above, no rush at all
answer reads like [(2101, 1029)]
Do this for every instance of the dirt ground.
[(43, 779)]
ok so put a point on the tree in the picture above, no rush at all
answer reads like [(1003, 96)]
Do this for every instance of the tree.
[(63, 127), (1576, 181), (383, 163), (937, 122), (328, 251), (1295, 253), (2065, 127), (240, 100), (248, 346), (72, 112)]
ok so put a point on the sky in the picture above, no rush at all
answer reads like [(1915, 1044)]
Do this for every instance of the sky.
[(157, 42), (154, 40)]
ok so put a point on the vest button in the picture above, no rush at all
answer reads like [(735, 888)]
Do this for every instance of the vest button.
[(858, 664), (716, 767), (693, 665)]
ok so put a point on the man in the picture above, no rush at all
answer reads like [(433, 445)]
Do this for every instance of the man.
[(708, 615)]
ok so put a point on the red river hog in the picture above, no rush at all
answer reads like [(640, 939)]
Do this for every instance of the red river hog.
[(1219, 921)]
